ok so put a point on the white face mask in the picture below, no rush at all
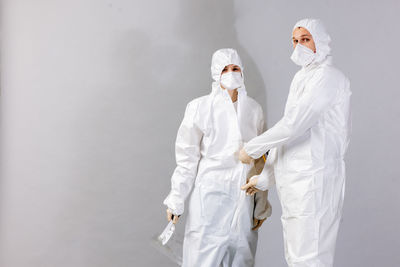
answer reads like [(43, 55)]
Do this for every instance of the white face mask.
[(231, 80), (302, 55)]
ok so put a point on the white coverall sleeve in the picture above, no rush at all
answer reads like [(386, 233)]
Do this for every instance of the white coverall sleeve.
[(262, 207), (299, 118), (187, 153)]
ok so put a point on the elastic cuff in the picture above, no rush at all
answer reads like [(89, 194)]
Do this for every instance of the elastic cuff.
[(175, 209), (174, 212), (252, 155)]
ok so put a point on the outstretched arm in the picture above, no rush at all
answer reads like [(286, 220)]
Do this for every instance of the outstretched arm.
[(298, 118)]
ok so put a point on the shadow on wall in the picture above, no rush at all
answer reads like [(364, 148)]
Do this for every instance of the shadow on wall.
[(205, 27)]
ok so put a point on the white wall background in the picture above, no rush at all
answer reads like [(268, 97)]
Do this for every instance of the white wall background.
[(93, 91)]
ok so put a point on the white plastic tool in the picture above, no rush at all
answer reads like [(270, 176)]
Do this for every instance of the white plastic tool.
[(167, 233), (169, 243)]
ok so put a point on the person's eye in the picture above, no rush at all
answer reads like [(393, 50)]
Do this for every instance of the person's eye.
[(306, 39), (295, 41)]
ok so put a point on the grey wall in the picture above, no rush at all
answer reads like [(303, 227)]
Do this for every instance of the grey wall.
[(92, 93)]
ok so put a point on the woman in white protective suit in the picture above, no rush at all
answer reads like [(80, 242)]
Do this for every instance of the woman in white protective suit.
[(307, 148), (220, 217)]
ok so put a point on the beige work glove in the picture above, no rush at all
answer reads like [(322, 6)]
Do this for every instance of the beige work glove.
[(262, 207), (257, 223)]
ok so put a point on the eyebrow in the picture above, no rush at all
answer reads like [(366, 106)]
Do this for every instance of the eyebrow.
[(304, 35)]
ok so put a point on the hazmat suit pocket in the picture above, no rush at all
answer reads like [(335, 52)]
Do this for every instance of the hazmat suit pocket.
[(298, 197), (217, 210), (195, 209), (299, 157)]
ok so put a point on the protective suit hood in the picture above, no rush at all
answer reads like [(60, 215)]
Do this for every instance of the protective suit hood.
[(221, 58), (320, 36)]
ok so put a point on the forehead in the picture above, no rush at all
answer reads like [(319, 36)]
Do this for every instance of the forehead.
[(232, 66), (300, 31)]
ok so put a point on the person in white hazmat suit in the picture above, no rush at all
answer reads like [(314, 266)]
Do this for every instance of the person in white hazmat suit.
[(306, 151), (220, 217)]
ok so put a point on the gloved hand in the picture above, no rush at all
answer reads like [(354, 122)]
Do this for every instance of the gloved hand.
[(257, 223), (250, 186), (244, 158), (172, 217)]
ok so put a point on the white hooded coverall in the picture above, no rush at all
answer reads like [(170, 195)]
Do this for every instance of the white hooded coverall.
[(220, 216), (306, 160)]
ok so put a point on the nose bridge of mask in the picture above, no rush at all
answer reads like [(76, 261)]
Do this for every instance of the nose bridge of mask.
[(302, 55), (304, 48), (232, 73)]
